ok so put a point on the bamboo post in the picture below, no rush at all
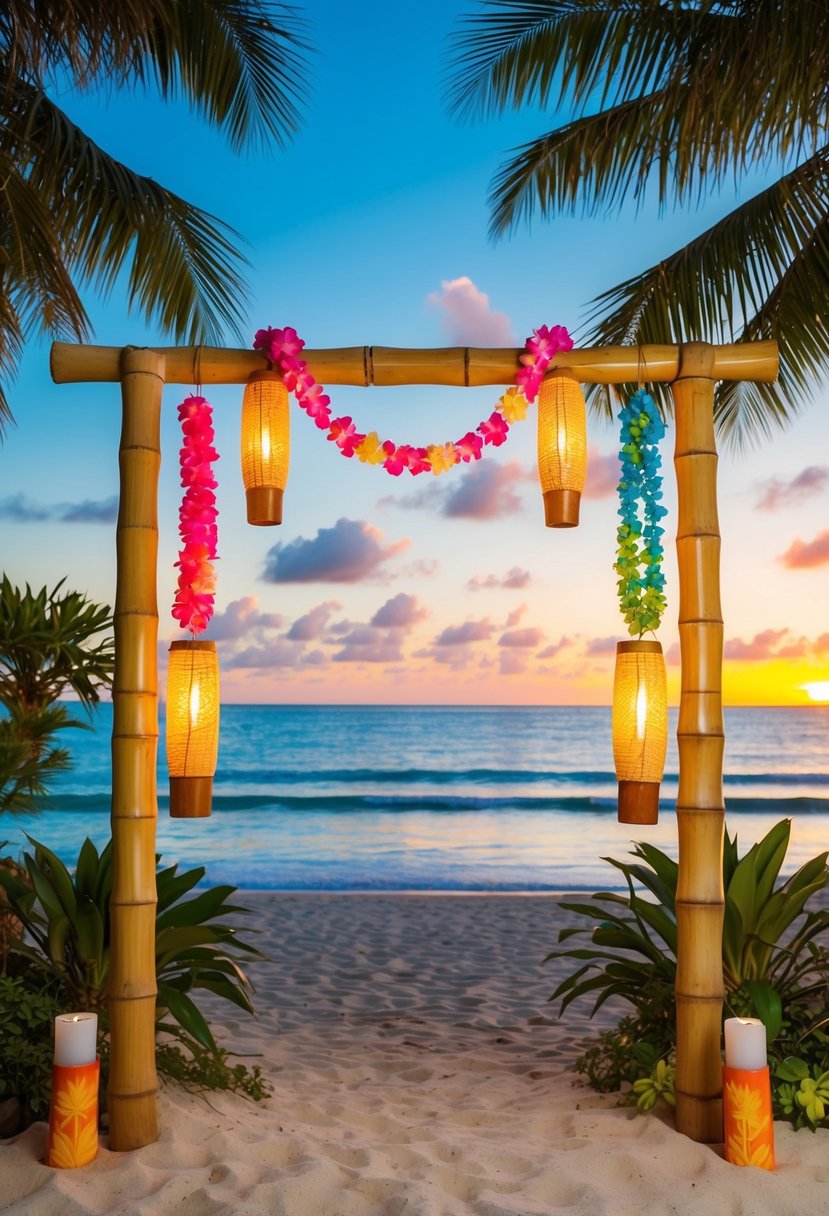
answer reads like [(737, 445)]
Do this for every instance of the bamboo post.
[(700, 735), (132, 975)]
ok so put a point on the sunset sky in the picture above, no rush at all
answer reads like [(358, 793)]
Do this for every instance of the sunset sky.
[(372, 229)]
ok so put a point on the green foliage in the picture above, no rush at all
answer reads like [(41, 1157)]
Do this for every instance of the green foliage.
[(67, 917), (74, 216), (51, 643), (658, 1084), (803, 1092), (774, 965), (649, 103), (28, 1007), (196, 1068)]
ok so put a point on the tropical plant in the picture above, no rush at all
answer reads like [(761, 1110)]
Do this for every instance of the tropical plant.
[(654, 101), (29, 1005), (72, 215), (67, 918), (775, 966), (51, 643)]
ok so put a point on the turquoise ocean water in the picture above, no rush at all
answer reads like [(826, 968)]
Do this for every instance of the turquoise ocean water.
[(442, 798)]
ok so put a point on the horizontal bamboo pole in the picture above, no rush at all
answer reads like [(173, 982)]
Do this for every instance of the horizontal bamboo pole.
[(390, 365)]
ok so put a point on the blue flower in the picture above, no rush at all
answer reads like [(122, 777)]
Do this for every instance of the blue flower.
[(640, 552)]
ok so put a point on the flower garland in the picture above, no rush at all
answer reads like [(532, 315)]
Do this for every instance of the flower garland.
[(641, 581), (283, 348), (193, 606)]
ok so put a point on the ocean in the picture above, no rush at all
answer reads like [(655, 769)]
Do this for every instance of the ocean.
[(436, 798)]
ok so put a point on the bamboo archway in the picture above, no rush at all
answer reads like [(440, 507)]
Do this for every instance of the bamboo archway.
[(692, 370)]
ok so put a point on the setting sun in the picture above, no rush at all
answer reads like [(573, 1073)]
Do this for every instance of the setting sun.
[(819, 691)]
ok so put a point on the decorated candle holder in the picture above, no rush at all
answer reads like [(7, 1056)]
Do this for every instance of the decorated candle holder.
[(748, 1121), (73, 1110)]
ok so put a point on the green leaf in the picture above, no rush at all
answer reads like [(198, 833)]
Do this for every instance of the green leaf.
[(186, 1014)]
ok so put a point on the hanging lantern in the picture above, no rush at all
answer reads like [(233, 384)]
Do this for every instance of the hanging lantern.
[(266, 446), (192, 726), (562, 448), (640, 729)]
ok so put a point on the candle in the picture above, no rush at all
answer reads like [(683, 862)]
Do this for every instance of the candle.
[(745, 1043), (76, 1038)]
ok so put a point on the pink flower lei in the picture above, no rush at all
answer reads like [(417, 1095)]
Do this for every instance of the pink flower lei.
[(193, 606), (283, 349)]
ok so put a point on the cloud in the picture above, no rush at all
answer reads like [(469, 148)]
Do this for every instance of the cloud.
[(515, 616), (601, 646), (310, 627), (805, 555), (400, 612), (550, 652), (485, 492), (463, 635), (267, 655), (762, 646), (21, 510), (515, 579), (774, 494), (366, 645), (672, 655), (240, 617), (350, 551), (468, 319), (522, 637), (513, 662), (602, 475)]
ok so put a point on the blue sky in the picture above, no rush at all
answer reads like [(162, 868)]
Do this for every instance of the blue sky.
[(354, 234)]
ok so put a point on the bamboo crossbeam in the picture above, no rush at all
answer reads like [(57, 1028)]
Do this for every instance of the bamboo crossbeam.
[(391, 365)]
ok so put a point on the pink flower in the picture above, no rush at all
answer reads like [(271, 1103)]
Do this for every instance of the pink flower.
[(393, 463), (343, 432), (494, 430), (469, 447)]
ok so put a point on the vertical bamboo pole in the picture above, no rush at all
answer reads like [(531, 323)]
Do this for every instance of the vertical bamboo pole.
[(700, 810), (132, 977)]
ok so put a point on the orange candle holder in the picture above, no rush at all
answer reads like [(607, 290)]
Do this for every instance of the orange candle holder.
[(748, 1123), (73, 1115)]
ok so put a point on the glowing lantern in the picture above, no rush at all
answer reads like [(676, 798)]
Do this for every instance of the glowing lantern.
[(266, 446), (562, 448), (640, 729), (192, 726)]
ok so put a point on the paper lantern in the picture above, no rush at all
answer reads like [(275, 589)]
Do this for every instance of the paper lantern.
[(562, 448), (266, 447), (192, 726), (640, 729)]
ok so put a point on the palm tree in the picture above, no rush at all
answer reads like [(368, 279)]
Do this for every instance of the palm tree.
[(73, 216), (51, 643), (677, 97)]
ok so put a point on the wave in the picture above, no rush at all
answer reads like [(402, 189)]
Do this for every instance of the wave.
[(437, 804), (484, 776)]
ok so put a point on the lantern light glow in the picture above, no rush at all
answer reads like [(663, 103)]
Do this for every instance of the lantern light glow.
[(266, 446), (192, 727), (640, 728), (562, 448)]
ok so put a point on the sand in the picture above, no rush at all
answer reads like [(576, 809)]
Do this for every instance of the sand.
[(418, 1070)]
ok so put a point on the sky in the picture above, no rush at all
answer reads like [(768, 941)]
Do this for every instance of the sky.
[(371, 229)]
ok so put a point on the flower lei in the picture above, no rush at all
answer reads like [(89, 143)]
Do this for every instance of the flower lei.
[(641, 581), (195, 593), (283, 347)]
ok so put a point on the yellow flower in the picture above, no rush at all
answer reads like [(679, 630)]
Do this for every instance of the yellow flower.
[(68, 1152), (441, 456), (513, 405), (74, 1099), (370, 451)]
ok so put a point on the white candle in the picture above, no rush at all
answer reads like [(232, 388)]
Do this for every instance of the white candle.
[(745, 1043), (76, 1036)]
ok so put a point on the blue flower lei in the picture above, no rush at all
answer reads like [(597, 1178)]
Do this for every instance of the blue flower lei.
[(639, 555)]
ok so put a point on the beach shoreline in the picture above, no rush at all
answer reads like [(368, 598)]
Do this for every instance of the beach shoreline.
[(418, 1069)]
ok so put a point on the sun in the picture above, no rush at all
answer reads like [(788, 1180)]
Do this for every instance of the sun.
[(818, 691)]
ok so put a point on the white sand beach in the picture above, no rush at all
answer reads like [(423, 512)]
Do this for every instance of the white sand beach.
[(417, 1070)]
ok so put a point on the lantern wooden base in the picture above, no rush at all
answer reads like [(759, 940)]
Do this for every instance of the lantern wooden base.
[(264, 505), (561, 508), (190, 797), (639, 801), (747, 1117), (73, 1115)]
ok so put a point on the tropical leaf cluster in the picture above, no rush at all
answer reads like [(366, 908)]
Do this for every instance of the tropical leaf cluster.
[(775, 960), (676, 101), (71, 215)]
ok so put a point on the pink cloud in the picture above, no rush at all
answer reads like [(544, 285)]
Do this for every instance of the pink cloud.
[(513, 662), (366, 645), (522, 637), (463, 635), (550, 652), (240, 617), (486, 491), (350, 551), (805, 555), (468, 319), (311, 626), (602, 475), (515, 616), (762, 646), (515, 579), (601, 646), (775, 494), (400, 612)]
